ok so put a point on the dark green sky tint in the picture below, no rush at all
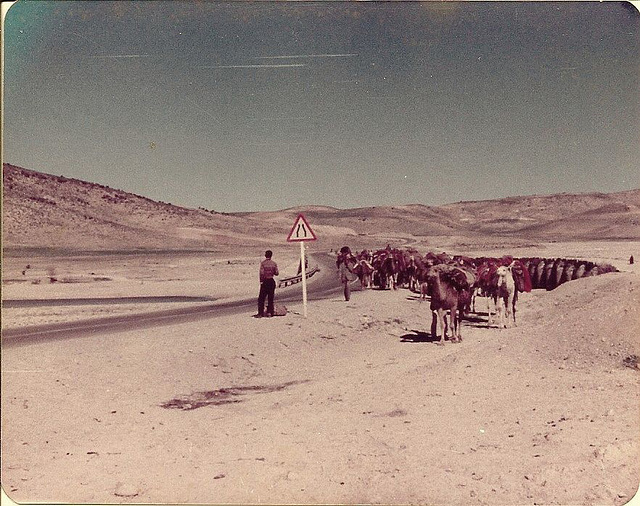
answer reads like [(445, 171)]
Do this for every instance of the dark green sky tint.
[(236, 106)]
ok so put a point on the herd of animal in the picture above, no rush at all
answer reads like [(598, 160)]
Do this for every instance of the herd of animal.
[(452, 283)]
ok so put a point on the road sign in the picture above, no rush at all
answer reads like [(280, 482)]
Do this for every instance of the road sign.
[(301, 231)]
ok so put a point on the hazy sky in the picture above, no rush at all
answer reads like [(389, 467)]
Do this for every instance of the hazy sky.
[(262, 106)]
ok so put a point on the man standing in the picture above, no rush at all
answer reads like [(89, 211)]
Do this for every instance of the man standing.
[(268, 269)]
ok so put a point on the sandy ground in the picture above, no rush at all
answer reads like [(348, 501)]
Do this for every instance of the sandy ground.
[(353, 404)]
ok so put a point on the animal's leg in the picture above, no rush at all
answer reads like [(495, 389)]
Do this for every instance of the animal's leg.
[(453, 326), (490, 316), (444, 322), (434, 325), (423, 291), (508, 303), (504, 311)]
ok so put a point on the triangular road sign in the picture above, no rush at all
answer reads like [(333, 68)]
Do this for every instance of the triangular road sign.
[(301, 231)]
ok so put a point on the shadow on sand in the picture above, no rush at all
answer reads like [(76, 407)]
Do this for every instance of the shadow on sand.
[(418, 337), (474, 319), (222, 396)]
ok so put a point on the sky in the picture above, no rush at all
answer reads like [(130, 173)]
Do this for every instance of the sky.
[(236, 106)]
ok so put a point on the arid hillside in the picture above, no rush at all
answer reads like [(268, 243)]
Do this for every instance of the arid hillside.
[(556, 217), (42, 210), (539, 217)]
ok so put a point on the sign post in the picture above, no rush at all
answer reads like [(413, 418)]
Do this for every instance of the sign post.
[(301, 232), (304, 279)]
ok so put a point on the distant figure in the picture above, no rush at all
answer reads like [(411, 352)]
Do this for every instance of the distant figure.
[(345, 264), (268, 269), (631, 260)]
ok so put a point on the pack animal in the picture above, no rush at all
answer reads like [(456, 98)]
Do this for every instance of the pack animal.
[(507, 296), (446, 285)]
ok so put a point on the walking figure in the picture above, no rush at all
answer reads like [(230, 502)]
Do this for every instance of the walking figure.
[(345, 263)]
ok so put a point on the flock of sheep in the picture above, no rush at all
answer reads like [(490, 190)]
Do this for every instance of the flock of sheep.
[(453, 282)]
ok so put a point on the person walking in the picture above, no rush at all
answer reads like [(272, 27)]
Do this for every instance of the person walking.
[(345, 263), (268, 269)]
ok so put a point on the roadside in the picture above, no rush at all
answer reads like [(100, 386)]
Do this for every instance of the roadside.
[(353, 404), (165, 285)]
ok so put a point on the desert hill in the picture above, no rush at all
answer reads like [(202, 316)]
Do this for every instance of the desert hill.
[(539, 217), (46, 211), (555, 217), (42, 210)]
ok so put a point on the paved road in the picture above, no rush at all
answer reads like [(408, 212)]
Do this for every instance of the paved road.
[(322, 285), (92, 301)]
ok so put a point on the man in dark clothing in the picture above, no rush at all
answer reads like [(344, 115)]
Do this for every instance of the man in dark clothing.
[(268, 269)]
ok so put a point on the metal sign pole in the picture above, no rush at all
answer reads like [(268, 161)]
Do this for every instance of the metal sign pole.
[(304, 280)]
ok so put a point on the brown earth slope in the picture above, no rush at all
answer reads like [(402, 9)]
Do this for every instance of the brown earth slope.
[(42, 210), (555, 217)]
